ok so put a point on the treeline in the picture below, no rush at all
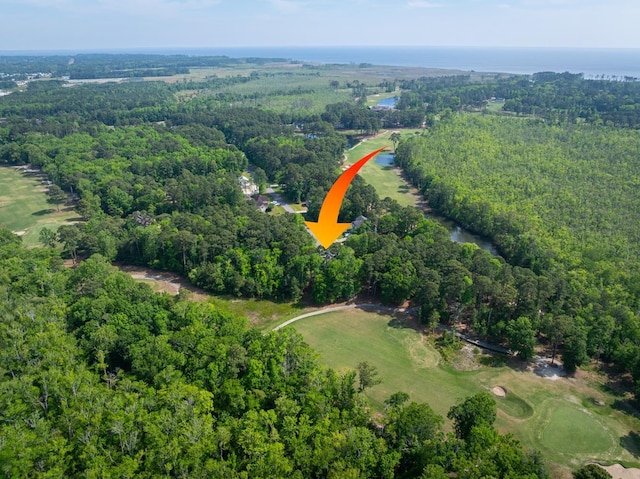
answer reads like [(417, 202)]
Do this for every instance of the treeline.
[(49, 107), (95, 65), (168, 197), (556, 97), (556, 200), (102, 377), (149, 196)]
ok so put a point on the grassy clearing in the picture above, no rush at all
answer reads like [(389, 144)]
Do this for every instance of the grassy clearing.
[(277, 211), (298, 208), (24, 207), (385, 179), (495, 106), (558, 417), (404, 359), (283, 86), (261, 313)]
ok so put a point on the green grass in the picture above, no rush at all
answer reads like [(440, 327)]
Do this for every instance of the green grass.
[(24, 207), (405, 360), (385, 179), (495, 106), (515, 406), (572, 431), (284, 87), (297, 207), (277, 211), (262, 313), (545, 415)]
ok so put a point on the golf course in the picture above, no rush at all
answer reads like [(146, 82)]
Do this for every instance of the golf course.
[(386, 179), (24, 208), (569, 420)]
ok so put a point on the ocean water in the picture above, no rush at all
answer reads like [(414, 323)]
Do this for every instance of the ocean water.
[(591, 62)]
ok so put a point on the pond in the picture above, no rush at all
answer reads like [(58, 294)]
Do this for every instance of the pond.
[(458, 234), (388, 102), (384, 159)]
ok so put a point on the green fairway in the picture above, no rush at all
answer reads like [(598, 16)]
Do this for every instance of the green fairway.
[(544, 414), (24, 208), (385, 179), (405, 360)]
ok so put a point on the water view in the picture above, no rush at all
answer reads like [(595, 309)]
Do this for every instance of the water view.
[(456, 232)]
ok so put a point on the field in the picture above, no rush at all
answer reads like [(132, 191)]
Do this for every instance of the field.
[(262, 313), (287, 86), (24, 208), (558, 417), (385, 179)]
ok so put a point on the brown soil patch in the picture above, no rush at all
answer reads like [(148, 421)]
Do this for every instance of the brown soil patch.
[(499, 391), (465, 359), (163, 281), (619, 472)]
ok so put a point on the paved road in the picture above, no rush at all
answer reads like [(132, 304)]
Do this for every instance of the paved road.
[(371, 307), (276, 197)]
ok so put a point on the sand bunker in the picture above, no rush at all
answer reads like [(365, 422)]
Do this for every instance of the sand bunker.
[(19, 233), (543, 368), (498, 391), (619, 472)]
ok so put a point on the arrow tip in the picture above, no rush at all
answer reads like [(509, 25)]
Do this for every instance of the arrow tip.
[(327, 232)]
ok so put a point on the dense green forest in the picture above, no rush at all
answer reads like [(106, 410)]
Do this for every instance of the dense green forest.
[(559, 98), (100, 377), (184, 390), (560, 200)]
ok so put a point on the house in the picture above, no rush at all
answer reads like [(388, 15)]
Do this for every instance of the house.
[(142, 218), (358, 222), (262, 202), (248, 187)]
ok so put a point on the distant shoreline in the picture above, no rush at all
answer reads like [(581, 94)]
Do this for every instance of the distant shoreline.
[(592, 62)]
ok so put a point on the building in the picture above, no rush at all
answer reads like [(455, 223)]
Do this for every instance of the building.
[(248, 187)]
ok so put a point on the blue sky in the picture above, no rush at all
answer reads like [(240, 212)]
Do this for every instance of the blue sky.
[(117, 24)]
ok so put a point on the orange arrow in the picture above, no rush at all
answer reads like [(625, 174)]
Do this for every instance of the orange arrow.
[(327, 229)]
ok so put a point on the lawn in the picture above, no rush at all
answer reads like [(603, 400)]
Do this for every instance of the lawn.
[(495, 106), (385, 179), (24, 208), (262, 313), (559, 417)]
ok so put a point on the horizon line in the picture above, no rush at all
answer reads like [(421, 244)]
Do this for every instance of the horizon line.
[(44, 51)]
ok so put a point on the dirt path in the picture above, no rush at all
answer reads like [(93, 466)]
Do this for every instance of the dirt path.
[(164, 281)]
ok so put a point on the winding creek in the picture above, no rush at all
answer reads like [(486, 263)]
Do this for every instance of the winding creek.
[(456, 232)]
